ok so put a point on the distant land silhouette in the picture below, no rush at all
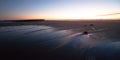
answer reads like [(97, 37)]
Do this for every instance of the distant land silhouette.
[(25, 20)]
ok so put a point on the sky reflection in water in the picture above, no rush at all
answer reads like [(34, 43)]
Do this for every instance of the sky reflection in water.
[(43, 39)]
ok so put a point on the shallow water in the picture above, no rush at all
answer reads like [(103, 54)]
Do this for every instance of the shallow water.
[(46, 42)]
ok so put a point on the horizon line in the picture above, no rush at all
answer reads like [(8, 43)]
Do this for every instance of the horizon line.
[(60, 19)]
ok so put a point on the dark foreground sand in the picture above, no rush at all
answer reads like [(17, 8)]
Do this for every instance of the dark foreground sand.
[(60, 40)]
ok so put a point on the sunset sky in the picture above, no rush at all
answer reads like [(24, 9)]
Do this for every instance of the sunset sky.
[(59, 9)]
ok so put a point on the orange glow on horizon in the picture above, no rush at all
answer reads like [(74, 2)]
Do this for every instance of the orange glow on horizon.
[(86, 15)]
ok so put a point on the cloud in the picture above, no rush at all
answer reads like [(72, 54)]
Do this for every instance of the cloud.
[(110, 14)]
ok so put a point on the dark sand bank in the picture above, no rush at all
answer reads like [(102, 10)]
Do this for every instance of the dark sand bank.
[(67, 24)]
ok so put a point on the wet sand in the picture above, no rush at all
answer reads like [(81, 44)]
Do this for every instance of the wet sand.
[(60, 40)]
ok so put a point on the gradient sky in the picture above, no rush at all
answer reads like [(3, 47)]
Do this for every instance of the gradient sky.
[(59, 9)]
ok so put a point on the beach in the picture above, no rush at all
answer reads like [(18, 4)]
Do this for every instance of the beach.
[(60, 40)]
